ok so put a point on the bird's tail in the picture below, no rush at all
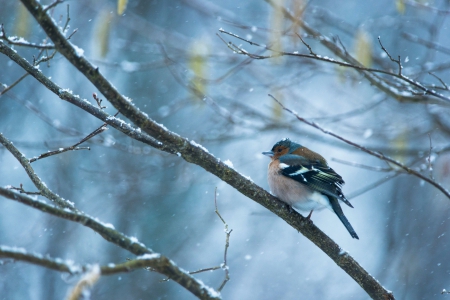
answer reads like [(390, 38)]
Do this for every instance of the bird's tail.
[(338, 210)]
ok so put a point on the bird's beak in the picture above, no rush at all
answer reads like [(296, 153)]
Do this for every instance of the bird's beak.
[(268, 153)]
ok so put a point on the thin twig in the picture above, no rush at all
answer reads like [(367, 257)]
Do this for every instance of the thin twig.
[(22, 191), (73, 147), (397, 61), (346, 115), (430, 164), (197, 92), (50, 6), (73, 32), (204, 270), (98, 100), (307, 45), (20, 41), (428, 44), (439, 78), (371, 186), (59, 151), (224, 265), (13, 84), (426, 6), (342, 45), (353, 164), (67, 19), (50, 121), (240, 38), (239, 50), (44, 58)]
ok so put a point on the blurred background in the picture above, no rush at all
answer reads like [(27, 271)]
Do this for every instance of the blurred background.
[(167, 57)]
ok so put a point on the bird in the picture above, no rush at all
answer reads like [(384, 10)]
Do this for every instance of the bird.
[(302, 179)]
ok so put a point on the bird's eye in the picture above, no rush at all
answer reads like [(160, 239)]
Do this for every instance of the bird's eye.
[(280, 149)]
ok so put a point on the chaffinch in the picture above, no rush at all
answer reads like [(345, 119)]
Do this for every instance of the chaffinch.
[(302, 178)]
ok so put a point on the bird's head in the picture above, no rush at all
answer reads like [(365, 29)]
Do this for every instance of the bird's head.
[(285, 146)]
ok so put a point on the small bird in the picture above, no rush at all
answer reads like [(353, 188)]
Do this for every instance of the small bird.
[(302, 178)]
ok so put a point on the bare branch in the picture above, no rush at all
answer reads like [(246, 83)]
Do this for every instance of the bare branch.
[(440, 80), (40, 185), (13, 84), (346, 115), (307, 45), (353, 164), (372, 186), (368, 73), (67, 18), (162, 265), (67, 95), (224, 265), (426, 6), (144, 261), (430, 163), (57, 264), (21, 190), (98, 100), (73, 32), (406, 94), (19, 41), (397, 61), (197, 92), (54, 4), (428, 44), (37, 62), (48, 120), (73, 147)]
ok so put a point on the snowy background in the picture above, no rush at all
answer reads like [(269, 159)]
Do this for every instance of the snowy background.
[(168, 204)]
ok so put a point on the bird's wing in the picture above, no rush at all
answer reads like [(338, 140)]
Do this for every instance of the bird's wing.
[(314, 174)]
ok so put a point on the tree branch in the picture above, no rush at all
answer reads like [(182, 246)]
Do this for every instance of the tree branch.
[(368, 74), (405, 95), (40, 185), (21, 41), (66, 94), (144, 261), (7, 88), (156, 261), (73, 147)]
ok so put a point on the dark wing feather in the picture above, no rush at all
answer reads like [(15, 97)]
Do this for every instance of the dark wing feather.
[(313, 174)]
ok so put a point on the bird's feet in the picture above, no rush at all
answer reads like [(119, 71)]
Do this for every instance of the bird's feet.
[(291, 210)]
